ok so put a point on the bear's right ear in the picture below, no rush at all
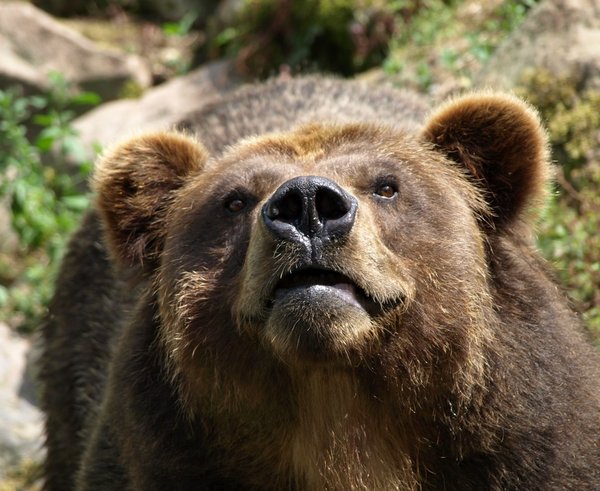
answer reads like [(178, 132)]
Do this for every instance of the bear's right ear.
[(135, 183)]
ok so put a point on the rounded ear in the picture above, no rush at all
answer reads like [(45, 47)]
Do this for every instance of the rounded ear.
[(500, 141), (135, 183)]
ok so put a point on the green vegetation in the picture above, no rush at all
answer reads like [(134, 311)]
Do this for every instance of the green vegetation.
[(440, 40), (569, 231), (45, 204), (421, 41), (342, 36)]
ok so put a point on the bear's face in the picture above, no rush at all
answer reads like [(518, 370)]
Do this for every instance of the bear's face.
[(352, 247), (315, 245)]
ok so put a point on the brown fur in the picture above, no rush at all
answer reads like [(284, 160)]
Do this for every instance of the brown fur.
[(134, 180), (467, 371), (488, 130)]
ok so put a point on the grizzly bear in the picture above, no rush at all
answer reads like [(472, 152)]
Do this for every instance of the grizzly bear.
[(317, 285)]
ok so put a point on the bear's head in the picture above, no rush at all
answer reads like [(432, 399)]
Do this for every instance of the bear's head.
[(352, 248)]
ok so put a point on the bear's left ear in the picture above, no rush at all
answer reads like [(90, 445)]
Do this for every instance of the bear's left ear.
[(500, 141), (135, 184)]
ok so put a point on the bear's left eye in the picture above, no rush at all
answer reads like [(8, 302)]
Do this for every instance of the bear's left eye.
[(235, 205), (239, 201)]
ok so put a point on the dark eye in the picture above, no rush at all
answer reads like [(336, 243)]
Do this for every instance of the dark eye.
[(387, 191), (235, 205)]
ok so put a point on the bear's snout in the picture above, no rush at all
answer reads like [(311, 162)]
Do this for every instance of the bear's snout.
[(309, 207)]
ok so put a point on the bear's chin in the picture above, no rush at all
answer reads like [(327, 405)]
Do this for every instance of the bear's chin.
[(319, 324)]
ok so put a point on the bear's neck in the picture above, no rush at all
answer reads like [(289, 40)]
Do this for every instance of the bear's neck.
[(344, 438), (322, 428)]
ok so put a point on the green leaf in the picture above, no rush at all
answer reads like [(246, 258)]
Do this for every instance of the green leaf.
[(226, 36), (43, 119), (86, 99), (171, 28), (76, 203), (44, 142), (38, 101)]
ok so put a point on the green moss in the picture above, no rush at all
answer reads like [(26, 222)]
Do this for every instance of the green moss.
[(576, 127), (449, 40), (131, 90), (25, 477), (572, 116)]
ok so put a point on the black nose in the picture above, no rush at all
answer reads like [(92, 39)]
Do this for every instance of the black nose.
[(309, 206)]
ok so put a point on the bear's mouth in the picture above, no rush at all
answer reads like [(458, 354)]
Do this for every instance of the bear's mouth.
[(324, 282)]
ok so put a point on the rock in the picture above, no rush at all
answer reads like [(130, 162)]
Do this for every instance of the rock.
[(33, 44), (21, 422), (160, 108), (559, 36)]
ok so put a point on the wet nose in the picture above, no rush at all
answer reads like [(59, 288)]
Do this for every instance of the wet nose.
[(310, 206)]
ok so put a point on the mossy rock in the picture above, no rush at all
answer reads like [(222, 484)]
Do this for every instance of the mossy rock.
[(569, 233)]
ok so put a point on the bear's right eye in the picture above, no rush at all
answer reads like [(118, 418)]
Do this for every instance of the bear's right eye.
[(385, 191), (386, 188)]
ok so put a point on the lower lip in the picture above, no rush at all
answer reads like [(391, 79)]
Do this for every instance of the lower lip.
[(343, 291)]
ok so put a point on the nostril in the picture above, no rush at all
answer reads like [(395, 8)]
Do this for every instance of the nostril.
[(330, 204), (287, 208)]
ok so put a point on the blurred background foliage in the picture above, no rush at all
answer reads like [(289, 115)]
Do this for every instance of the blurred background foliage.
[(569, 231), (342, 36), (413, 42), (45, 204)]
